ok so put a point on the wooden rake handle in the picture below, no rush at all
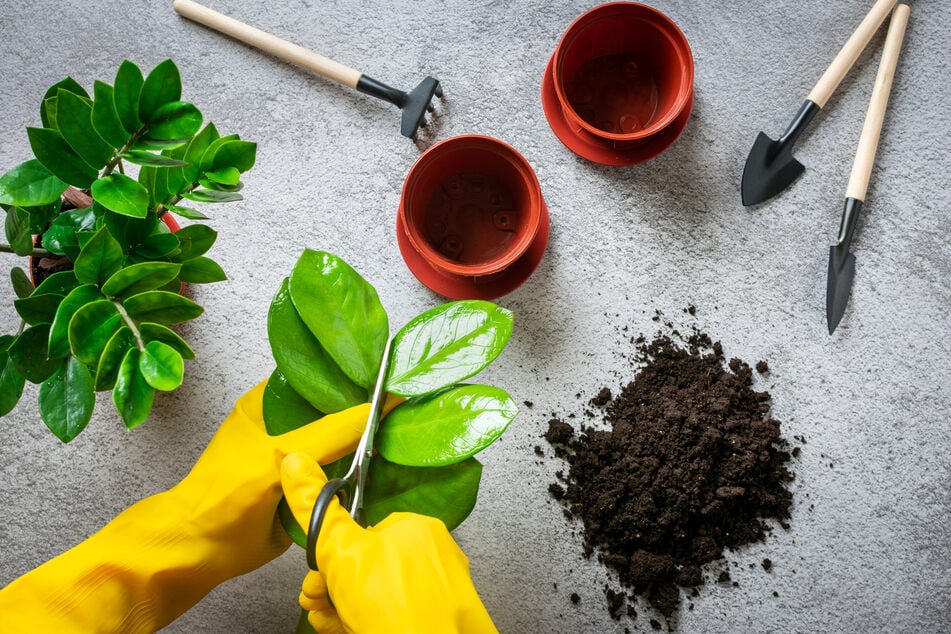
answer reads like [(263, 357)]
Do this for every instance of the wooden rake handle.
[(850, 52), (268, 43), (872, 128)]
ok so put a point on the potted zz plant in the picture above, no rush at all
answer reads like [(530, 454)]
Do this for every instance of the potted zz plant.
[(108, 262), (327, 330)]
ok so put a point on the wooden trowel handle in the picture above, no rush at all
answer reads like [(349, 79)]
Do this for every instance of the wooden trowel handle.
[(268, 43), (872, 128), (850, 52)]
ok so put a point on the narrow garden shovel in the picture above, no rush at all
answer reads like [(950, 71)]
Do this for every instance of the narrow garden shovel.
[(841, 261), (770, 166), (414, 104)]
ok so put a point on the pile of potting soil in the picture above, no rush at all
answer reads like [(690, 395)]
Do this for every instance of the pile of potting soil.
[(691, 465)]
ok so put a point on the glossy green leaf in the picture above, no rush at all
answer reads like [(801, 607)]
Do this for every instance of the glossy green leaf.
[(289, 523), (139, 278), (175, 182), (284, 409), (130, 232), (59, 330), (111, 358), (141, 157), (11, 381), (48, 110), (74, 121), (161, 307), (235, 154), (121, 194), (67, 399), (446, 427), (158, 245), (446, 345), (304, 362), (90, 329), (30, 184), (46, 116), (42, 215), (148, 143), (22, 286), (186, 212), (99, 259), (225, 176), (157, 332), (28, 353), (208, 156), (105, 117), (175, 120), (196, 150), (17, 230), (59, 283), (52, 150), (193, 241), (37, 309), (212, 196), (201, 270), (343, 312), (61, 238), (131, 395), (128, 87), (161, 366), (447, 493), (162, 86), (211, 185)]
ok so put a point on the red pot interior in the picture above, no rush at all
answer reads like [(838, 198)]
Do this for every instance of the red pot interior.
[(471, 205), (623, 71)]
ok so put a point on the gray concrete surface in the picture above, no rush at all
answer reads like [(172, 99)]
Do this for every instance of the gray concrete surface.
[(869, 542)]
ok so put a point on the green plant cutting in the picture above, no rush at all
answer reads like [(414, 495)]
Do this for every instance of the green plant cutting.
[(102, 322), (327, 330)]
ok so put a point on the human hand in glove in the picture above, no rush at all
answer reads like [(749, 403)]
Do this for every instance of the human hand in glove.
[(163, 554), (406, 574)]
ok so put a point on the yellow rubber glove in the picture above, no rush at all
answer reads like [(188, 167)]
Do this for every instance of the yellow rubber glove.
[(406, 574), (163, 554)]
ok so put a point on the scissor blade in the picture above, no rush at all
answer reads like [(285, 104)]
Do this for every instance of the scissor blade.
[(365, 448)]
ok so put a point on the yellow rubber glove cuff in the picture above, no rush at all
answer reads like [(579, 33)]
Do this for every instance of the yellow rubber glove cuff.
[(163, 554), (406, 574)]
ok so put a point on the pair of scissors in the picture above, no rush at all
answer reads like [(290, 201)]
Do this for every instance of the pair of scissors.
[(351, 487)]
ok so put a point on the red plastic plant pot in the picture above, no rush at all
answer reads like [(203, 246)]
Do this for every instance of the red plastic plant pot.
[(472, 222), (619, 87)]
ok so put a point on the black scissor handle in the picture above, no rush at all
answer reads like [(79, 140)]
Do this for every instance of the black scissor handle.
[(327, 493)]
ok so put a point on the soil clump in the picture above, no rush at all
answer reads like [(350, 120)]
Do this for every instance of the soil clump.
[(689, 463)]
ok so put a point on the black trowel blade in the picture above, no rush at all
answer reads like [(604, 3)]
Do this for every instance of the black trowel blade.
[(770, 168), (839, 286)]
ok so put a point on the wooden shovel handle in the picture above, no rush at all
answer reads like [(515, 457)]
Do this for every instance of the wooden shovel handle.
[(268, 43), (850, 52), (872, 128)]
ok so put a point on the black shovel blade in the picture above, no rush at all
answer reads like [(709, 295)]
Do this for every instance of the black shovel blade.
[(839, 286), (770, 168)]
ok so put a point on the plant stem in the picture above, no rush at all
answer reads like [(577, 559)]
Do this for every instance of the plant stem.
[(36, 252), (117, 157), (131, 324)]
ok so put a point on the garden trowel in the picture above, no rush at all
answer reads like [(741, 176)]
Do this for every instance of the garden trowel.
[(770, 166), (841, 260)]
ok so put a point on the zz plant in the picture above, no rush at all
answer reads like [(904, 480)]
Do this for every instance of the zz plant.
[(102, 324), (327, 330)]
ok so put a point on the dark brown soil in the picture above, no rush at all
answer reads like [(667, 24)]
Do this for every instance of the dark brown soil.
[(690, 464)]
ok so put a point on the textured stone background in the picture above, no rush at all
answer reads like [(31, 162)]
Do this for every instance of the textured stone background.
[(869, 543)]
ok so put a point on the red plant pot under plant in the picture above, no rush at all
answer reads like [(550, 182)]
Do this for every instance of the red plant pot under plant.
[(618, 89), (472, 222)]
